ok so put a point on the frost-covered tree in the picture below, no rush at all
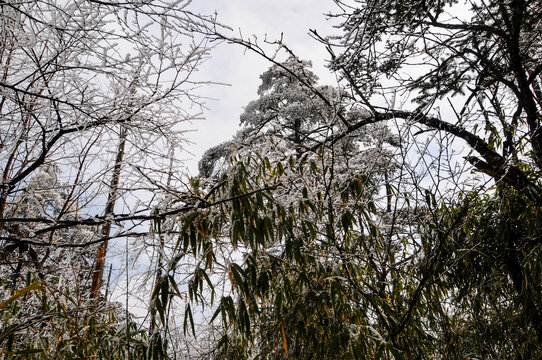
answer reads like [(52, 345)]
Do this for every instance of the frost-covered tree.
[(45, 197), (97, 90), (92, 100), (45, 305), (293, 116)]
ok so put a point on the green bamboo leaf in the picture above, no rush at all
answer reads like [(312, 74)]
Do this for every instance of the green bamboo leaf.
[(193, 239), (174, 286), (238, 275), (230, 308), (371, 207), (188, 316), (218, 311), (188, 220), (203, 273)]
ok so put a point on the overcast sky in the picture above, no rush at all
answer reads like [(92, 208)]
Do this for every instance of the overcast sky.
[(233, 65)]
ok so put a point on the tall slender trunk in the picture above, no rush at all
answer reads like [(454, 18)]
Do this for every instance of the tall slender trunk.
[(99, 265)]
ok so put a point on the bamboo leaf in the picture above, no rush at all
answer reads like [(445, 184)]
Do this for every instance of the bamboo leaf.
[(284, 342), (34, 286)]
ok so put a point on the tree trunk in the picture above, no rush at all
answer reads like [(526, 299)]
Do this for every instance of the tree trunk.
[(99, 265)]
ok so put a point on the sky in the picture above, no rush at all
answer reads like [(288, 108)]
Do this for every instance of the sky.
[(241, 69)]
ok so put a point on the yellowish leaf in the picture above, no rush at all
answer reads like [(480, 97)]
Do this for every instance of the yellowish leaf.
[(19, 293), (230, 274), (284, 342)]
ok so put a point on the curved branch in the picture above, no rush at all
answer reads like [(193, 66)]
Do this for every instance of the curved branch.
[(492, 164)]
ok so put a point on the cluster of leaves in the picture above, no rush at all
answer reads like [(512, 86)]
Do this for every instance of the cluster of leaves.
[(490, 265), (309, 271), (288, 285), (47, 319), (313, 276), (317, 278)]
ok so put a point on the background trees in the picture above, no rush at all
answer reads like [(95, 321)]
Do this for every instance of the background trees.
[(91, 97)]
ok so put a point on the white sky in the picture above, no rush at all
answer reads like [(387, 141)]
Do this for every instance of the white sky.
[(233, 65)]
